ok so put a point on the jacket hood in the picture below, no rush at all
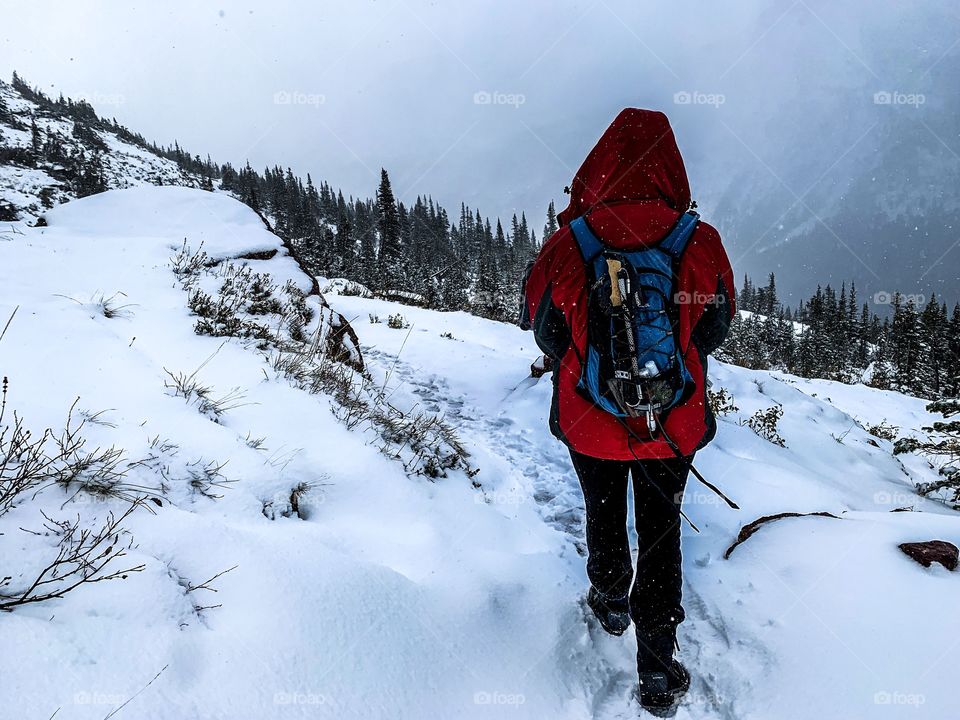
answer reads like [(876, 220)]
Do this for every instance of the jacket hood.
[(637, 158)]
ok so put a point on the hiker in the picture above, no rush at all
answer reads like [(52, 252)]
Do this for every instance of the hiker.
[(627, 335)]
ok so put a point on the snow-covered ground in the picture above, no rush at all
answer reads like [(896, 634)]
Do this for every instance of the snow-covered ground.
[(392, 596)]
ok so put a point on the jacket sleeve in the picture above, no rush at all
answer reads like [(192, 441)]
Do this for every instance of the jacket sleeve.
[(540, 312), (719, 300)]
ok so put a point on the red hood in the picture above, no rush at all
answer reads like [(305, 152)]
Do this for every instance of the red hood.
[(636, 159)]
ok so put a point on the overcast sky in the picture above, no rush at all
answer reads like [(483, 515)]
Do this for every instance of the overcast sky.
[(492, 102)]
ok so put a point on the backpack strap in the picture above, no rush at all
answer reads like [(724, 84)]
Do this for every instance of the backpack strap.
[(591, 249), (676, 240)]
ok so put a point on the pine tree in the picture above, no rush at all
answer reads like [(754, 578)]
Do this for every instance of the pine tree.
[(933, 348), (390, 258), (952, 385), (551, 225), (36, 141), (364, 234), (882, 377), (905, 346)]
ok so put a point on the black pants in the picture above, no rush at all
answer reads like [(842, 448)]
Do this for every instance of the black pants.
[(654, 599)]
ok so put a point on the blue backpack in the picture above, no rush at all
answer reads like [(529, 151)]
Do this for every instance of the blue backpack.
[(634, 366)]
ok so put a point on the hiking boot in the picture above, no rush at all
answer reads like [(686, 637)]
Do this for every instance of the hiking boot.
[(660, 691), (613, 617), (663, 681)]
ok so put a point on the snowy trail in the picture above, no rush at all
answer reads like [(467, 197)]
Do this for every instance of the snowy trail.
[(759, 624), (542, 466)]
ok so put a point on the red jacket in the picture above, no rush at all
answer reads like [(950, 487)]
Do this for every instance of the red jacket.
[(632, 187)]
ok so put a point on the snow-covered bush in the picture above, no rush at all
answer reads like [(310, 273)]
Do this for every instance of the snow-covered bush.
[(942, 442), (721, 402), (342, 286), (883, 430), (764, 424), (397, 322), (316, 354)]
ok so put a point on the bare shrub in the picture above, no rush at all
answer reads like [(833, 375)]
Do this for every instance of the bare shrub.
[(109, 307), (884, 430), (202, 477), (255, 443), (190, 588), (188, 265), (28, 463), (83, 557), (202, 396)]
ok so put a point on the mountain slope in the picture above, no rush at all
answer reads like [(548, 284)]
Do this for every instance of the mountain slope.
[(364, 590), (835, 158), (89, 157)]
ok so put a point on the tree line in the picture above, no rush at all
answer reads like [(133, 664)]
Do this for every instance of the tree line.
[(419, 254), (914, 349), (416, 253)]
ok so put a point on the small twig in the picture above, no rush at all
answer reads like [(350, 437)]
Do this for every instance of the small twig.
[(397, 358), (9, 320), (132, 697), (205, 585)]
